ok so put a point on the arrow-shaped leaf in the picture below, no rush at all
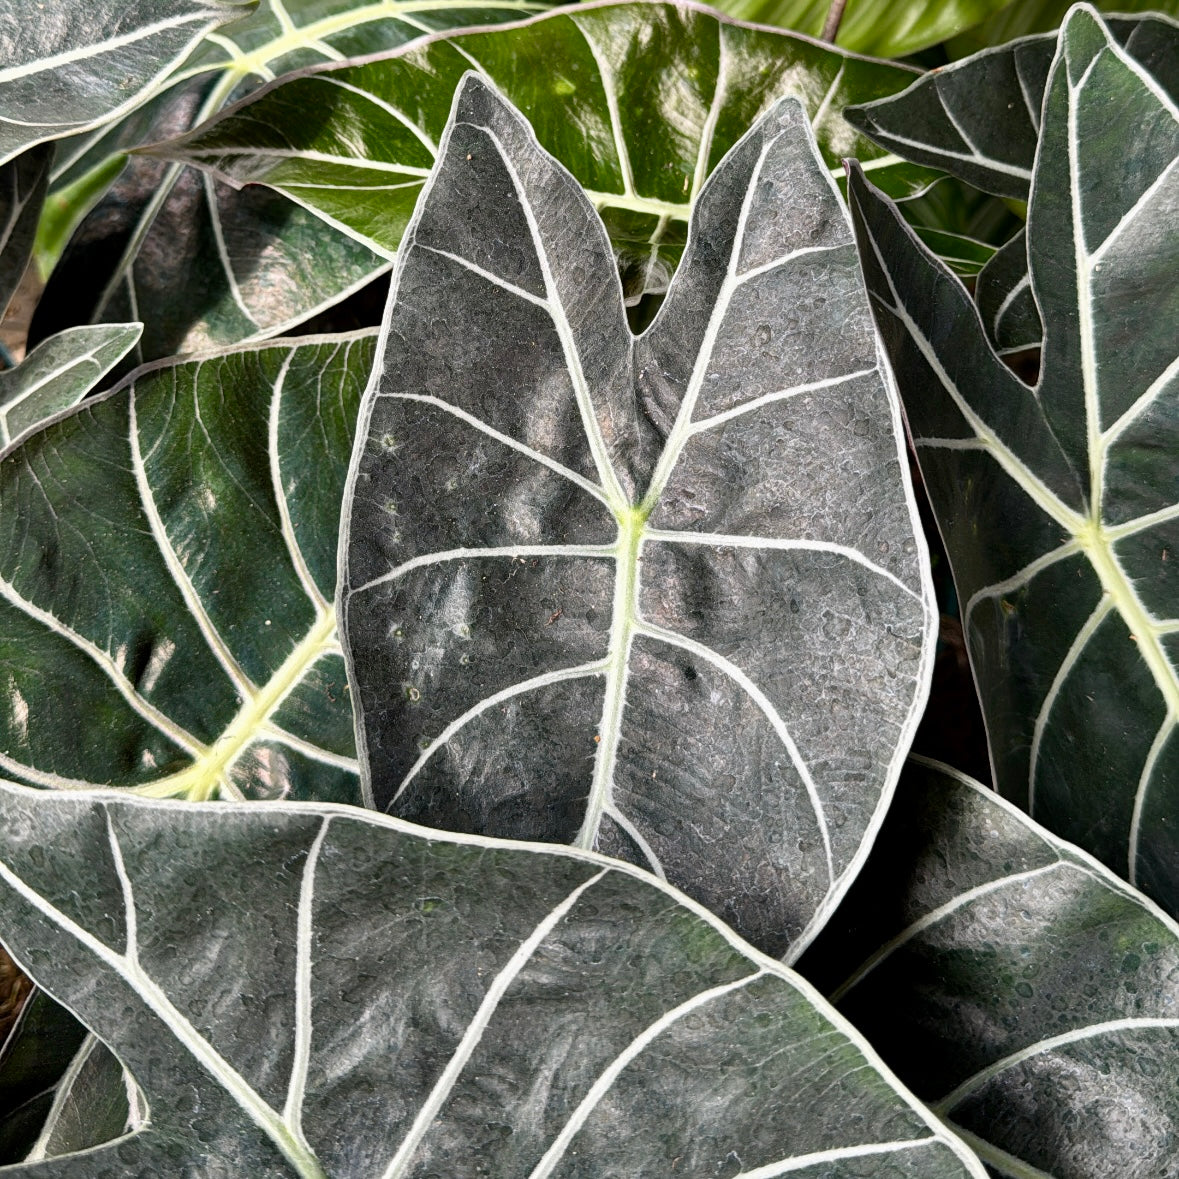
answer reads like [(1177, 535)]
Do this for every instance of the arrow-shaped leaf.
[(1058, 505), (167, 567), (391, 1005), (664, 597), (1021, 988), (89, 61), (979, 118)]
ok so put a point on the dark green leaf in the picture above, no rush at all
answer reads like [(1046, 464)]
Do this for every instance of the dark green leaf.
[(89, 61), (1005, 300), (1018, 986), (23, 183), (980, 118), (390, 1004), (965, 256), (662, 597), (167, 567), (1058, 505), (643, 101)]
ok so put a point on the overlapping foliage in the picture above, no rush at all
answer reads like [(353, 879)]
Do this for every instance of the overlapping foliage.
[(615, 518)]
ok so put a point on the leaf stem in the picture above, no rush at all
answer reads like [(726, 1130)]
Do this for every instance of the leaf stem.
[(834, 17)]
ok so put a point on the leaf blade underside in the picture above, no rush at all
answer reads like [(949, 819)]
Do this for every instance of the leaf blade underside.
[(1068, 594), (383, 979), (167, 567), (1022, 989), (551, 534)]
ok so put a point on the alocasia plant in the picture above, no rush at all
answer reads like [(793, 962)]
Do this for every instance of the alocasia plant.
[(689, 530), (393, 1004), (662, 596), (1058, 504)]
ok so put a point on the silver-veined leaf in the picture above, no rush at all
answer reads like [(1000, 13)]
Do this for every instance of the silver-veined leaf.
[(1023, 991), (665, 597), (1058, 504), (58, 373), (86, 62), (167, 569), (200, 264), (395, 1003), (643, 102), (979, 119)]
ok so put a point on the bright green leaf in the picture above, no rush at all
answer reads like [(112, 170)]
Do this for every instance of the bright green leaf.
[(1042, 16), (885, 28), (646, 100)]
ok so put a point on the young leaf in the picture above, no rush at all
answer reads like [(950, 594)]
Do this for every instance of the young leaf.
[(1017, 985), (89, 61), (391, 1004), (23, 183), (1058, 505), (979, 119), (642, 148), (167, 567), (1005, 301), (58, 373), (662, 597)]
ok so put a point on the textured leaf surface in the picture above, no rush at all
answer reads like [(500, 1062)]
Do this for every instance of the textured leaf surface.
[(980, 118), (393, 1005), (639, 101), (200, 264), (1058, 505), (167, 566), (886, 28), (59, 373), (663, 597), (84, 62), (1018, 986), (23, 184)]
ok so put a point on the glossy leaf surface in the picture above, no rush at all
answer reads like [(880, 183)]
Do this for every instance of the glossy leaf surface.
[(200, 264), (1023, 990), (167, 566), (86, 62), (1058, 505), (404, 1005), (23, 184), (885, 28), (58, 374), (662, 597), (645, 101), (980, 118)]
